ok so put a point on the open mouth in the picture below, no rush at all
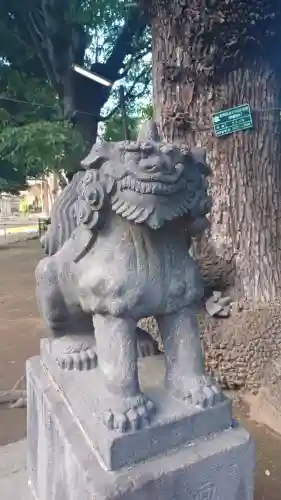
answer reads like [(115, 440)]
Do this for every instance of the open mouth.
[(151, 187)]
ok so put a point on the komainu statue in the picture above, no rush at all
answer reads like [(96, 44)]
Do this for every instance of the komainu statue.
[(126, 258)]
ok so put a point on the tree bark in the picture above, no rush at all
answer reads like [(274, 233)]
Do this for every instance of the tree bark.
[(246, 183)]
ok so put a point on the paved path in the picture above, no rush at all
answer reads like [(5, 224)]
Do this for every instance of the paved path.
[(20, 327), (19, 229)]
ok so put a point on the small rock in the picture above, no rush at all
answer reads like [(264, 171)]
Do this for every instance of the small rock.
[(224, 301), (212, 307), (224, 313)]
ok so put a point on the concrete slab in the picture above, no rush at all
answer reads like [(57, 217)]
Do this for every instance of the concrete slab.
[(13, 472), (63, 465), (175, 423)]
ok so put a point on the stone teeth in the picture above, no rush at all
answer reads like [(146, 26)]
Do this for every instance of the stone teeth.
[(127, 182), (143, 216), (186, 204), (135, 214), (122, 208), (138, 186), (129, 211), (117, 204), (144, 187), (155, 189)]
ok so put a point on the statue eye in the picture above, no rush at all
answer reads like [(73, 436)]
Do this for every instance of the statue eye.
[(136, 157), (145, 154)]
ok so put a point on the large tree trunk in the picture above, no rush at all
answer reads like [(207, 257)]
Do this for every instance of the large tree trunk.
[(192, 81), (60, 42), (84, 100)]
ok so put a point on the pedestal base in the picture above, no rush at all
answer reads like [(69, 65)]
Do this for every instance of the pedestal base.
[(63, 465), (176, 422)]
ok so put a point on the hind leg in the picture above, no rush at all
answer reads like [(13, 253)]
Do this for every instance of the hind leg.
[(73, 333), (146, 345)]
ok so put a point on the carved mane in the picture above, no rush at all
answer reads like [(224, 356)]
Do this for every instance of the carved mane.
[(63, 217)]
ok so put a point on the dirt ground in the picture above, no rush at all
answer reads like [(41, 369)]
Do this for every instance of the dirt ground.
[(20, 326), (21, 330)]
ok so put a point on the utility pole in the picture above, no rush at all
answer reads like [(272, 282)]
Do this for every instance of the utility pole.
[(124, 114)]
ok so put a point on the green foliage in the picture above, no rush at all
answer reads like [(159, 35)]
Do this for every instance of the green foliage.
[(39, 147), (114, 128), (18, 124), (146, 112), (26, 139), (34, 67), (12, 179)]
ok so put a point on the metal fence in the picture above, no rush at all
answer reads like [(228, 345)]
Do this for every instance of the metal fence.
[(9, 228)]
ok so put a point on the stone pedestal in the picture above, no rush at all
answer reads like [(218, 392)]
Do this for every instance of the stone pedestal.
[(186, 453)]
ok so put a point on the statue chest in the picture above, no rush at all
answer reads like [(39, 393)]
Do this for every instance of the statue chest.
[(141, 252), (134, 268)]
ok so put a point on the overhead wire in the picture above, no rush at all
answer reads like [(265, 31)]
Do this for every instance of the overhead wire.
[(41, 105), (202, 128)]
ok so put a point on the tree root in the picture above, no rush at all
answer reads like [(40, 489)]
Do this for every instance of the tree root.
[(15, 398)]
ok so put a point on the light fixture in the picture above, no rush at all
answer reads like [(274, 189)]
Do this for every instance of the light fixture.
[(92, 76)]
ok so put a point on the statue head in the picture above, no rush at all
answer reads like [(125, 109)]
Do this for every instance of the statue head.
[(150, 181), (146, 181)]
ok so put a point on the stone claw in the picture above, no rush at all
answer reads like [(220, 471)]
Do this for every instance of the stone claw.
[(205, 395), (137, 416), (198, 391), (80, 361)]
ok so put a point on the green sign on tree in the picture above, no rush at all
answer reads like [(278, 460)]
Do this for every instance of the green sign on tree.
[(232, 120)]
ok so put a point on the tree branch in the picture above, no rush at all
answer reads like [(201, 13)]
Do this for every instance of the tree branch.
[(111, 114), (39, 34), (128, 95), (133, 28), (133, 61), (37, 45), (139, 94)]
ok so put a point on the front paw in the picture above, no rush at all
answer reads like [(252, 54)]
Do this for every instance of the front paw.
[(78, 360), (204, 393), (200, 391), (137, 413)]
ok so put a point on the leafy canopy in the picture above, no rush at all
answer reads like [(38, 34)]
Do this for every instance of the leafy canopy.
[(35, 37)]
